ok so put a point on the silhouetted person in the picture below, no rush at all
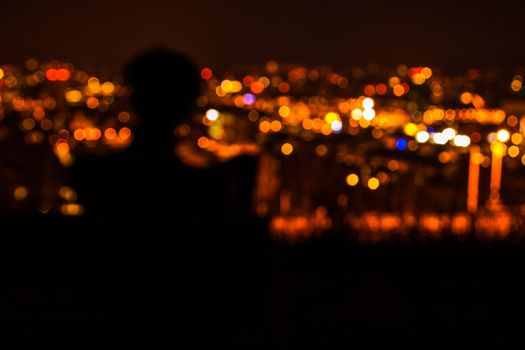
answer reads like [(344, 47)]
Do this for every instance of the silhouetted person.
[(146, 181), (192, 222)]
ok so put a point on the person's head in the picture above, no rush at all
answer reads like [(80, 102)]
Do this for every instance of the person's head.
[(165, 85)]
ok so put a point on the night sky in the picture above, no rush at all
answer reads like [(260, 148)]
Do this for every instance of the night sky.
[(105, 34)]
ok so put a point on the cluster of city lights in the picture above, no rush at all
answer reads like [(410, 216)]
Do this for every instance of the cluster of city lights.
[(68, 111), (295, 110), (326, 140)]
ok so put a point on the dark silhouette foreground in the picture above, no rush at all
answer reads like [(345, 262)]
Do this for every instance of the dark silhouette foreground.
[(146, 183), (194, 254)]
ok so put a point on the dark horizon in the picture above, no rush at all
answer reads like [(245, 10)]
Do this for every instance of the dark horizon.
[(451, 35)]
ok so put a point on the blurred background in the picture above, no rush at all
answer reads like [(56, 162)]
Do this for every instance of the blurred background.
[(389, 140)]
